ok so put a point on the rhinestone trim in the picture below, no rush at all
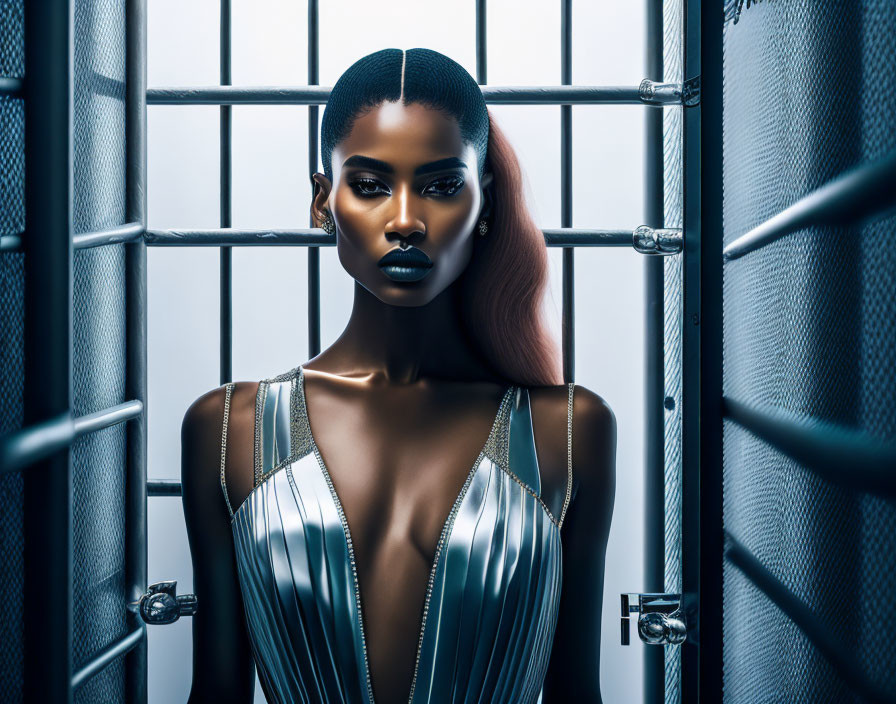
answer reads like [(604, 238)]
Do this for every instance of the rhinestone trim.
[(228, 391), (499, 425), (568, 455), (259, 408)]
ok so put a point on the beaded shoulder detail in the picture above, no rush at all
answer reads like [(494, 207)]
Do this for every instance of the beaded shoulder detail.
[(497, 447), (299, 431)]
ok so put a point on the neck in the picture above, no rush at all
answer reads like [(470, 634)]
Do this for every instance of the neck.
[(405, 344)]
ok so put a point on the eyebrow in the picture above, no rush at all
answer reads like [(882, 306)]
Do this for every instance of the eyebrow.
[(452, 162)]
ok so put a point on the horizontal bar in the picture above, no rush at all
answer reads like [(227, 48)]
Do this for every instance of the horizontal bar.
[(658, 94), (107, 417), (36, 442), (10, 243), (315, 237), (108, 655), (164, 487), (11, 86), (130, 232), (228, 237), (864, 192), (842, 456), (803, 617)]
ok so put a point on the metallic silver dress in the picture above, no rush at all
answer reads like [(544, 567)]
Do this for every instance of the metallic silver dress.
[(494, 588)]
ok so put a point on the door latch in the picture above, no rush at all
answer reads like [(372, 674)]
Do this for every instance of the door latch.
[(161, 605), (661, 620)]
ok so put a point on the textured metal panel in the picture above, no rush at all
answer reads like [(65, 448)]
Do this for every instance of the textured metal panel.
[(12, 164), (98, 469), (12, 351), (809, 328), (12, 364), (98, 475), (672, 307), (12, 38)]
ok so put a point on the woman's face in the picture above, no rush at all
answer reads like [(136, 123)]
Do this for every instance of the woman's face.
[(404, 185)]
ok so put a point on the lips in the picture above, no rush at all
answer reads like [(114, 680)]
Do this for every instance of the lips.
[(409, 264)]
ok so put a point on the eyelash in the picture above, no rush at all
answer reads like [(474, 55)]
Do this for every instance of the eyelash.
[(455, 181)]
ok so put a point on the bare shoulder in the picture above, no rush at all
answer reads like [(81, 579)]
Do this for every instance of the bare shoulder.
[(202, 430), (593, 436)]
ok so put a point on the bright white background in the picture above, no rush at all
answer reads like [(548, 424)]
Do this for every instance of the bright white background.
[(271, 188)]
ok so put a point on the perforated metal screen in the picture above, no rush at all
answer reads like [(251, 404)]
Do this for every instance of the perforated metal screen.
[(809, 327)]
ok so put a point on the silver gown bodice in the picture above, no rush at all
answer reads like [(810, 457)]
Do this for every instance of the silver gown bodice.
[(493, 592)]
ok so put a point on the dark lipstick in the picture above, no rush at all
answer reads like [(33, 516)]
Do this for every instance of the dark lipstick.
[(409, 264)]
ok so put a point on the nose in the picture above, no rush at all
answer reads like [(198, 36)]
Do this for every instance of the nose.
[(405, 225)]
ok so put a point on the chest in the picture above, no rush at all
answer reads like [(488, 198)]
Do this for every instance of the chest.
[(399, 460)]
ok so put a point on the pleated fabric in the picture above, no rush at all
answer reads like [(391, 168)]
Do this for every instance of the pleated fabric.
[(494, 589)]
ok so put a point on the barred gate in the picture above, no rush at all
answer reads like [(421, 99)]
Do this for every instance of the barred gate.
[(793, 322)]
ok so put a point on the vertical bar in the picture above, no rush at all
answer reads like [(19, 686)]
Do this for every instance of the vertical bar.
[(313, 141), (701, 529), (711, 18), (568, 324), (136, 532), (48, 346), (481, 43), (654, 465), (226, 202)]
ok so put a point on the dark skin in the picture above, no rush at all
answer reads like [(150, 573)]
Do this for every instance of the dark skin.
[(408, 388)]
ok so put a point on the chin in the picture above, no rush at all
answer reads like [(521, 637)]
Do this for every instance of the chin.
[(403, 294)]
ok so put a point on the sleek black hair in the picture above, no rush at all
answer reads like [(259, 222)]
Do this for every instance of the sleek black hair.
[(413, 76)]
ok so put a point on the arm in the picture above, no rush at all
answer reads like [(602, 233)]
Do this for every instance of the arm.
[(223, 667), (574, 670)]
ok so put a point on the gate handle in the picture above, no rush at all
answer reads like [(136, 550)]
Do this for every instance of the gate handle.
[(661, 622), (160, 605)]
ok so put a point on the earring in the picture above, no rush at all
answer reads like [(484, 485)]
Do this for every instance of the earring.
[(483, 227), (328, 226)]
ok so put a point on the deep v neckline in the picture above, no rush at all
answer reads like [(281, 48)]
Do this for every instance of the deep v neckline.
[(446, 526)]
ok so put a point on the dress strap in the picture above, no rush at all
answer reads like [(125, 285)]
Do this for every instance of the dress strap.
[(571, 387), (228, 391)]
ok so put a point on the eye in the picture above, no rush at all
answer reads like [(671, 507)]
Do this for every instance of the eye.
[(445, 186), (367, 188)]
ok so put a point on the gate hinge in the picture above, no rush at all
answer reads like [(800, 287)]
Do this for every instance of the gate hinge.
[(690, 92)]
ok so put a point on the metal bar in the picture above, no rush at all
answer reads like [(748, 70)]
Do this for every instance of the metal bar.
[(315, 237), (664, 94), (654, 440), (811, 625), (110, 654), (36, 442), (863, 192), (41, 440), (47, 505), (113, 415), (842, 456), (313, 252), (481, 43), (702, 539), (164, 487), (11, 86), (136, 529), (568, 313), (131, 232), (226, 198), (10, 243)]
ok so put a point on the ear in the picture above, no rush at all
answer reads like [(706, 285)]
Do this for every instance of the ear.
[(487, 194), (320, 198)]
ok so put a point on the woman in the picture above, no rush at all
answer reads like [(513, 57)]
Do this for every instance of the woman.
[(390, 525)]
